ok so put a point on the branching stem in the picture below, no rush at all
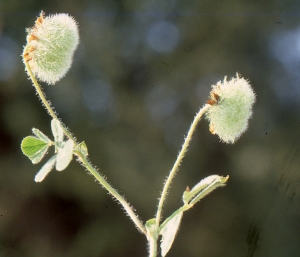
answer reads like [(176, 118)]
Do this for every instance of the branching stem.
[(178, 160)]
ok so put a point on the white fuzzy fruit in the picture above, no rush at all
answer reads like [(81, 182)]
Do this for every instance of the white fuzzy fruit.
[(50, 46), (231, 107)]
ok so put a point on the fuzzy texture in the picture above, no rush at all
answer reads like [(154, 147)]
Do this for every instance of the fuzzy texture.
[(50, 46), (230, 108)]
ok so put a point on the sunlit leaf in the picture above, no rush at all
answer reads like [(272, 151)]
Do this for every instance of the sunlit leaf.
[(57, 131), (34, 148), (41, 135), (206, 186), (43, 172), (169, 232), (64, 155), (189, 194), (36, 158)]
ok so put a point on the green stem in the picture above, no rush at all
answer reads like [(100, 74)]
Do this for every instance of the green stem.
[(112, 191), (152, 246), (178, 160), (44, 100), (84, 161)]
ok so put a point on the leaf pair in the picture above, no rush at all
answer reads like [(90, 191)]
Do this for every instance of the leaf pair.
[(35, 148), (169, 228), (203, 188)]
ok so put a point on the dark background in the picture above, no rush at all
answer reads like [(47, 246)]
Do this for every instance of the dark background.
[(140, 73)]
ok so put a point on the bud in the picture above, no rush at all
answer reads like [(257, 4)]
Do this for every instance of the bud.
[(230, 108), (51, 43)]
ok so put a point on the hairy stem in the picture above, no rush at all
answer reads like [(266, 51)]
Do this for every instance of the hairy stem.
[(45, 102), (152, 247), (82, 158), (112, 191), (178, 160)]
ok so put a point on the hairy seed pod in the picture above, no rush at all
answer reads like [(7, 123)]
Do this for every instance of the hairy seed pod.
[(231, 107), (51, 43)]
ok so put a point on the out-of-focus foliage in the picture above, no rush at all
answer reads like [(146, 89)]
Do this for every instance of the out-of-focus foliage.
[(141, 72)]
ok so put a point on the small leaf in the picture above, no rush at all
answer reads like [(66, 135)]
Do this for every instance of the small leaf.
[(189, 194), (57, 131), (168, 233), (64, 155), (30, 145), (43, 172), (36, 158), (41, 135), (206, 186), (82, 148), (34, 148)]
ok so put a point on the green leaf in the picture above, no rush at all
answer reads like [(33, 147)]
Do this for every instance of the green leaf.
[(169, 232), (64, 155), (43, 172), (34, 148), (31, 145), (57, 131), (189, 194), (41, 135), (204, 187), (39, 155)]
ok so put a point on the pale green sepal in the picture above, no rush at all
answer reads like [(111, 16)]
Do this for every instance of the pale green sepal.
[(169, 232), (82, 148), (64, 155), (206, 186), (151, 227), (34, 148), (57, 131), (43, 172), (41, 135), (186, 196)]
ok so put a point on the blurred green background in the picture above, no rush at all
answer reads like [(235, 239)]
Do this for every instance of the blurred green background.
[(141, 72)]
